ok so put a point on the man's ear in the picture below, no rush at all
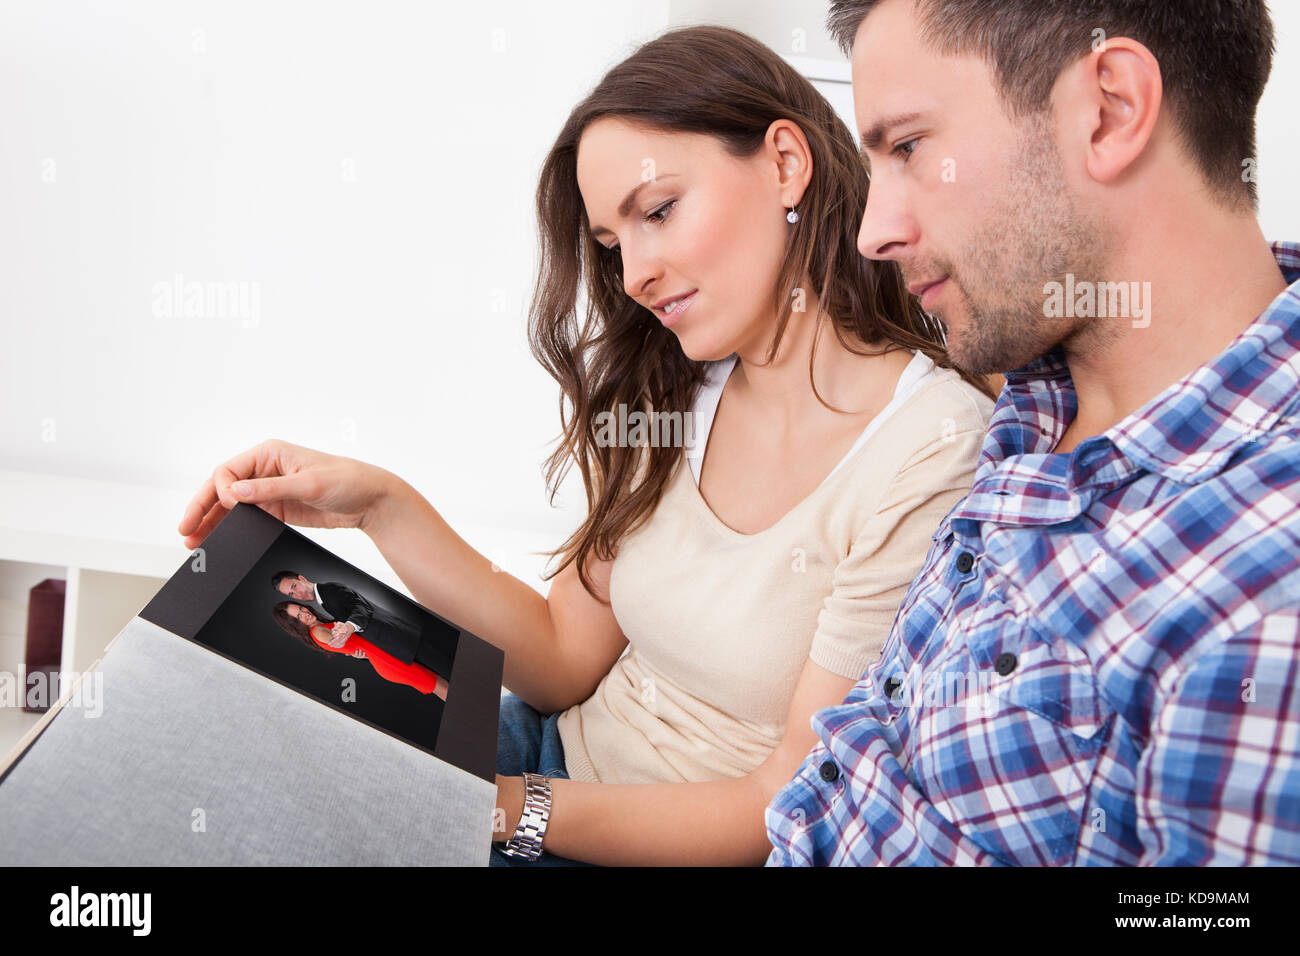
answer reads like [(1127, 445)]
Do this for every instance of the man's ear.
[(1115, 92)]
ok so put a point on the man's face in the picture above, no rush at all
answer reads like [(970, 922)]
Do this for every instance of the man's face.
[(975, 208), (296, 588)]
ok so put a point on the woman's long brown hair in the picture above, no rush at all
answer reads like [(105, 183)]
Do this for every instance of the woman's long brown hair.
[(723, 83), (294, 626)]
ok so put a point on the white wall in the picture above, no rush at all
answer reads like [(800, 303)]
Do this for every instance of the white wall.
[(366, 172), (790, 27), (1278, 133)]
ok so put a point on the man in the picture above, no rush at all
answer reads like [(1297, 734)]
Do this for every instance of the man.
[(390, 633), (1098, 661)]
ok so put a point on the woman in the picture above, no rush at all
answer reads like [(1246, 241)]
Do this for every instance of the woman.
[(706, 199), (300, 621)]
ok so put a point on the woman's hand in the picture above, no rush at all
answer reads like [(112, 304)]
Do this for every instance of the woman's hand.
[(300, 486), (359, 653), (340, 633)]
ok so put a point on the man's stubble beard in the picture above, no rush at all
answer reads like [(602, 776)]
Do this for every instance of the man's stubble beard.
[(1034, 234)]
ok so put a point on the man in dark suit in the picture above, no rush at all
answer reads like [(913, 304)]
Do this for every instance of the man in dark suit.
[(435, 647)]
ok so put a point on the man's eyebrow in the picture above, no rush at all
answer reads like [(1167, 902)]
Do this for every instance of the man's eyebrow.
[(872, 138), (626, 205)]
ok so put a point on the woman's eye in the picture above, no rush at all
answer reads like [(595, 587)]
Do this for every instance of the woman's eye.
[(660, 214), (656, 216)]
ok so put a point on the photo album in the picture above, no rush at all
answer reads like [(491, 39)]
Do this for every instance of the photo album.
[(270, 599), (271, 703)]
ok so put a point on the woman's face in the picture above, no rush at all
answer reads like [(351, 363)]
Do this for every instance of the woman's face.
[(302, 614), (701, 221)]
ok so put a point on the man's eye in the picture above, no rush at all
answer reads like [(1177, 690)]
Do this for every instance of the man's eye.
[(906, 148)]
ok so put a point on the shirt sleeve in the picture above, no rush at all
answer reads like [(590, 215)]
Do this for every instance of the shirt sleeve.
[(361, 613), (1220, 782), (869, 584)]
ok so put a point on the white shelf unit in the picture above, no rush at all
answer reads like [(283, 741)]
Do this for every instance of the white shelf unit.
[(89, 534)]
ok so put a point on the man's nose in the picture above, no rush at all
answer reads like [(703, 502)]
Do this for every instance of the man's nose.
[(887, 229)]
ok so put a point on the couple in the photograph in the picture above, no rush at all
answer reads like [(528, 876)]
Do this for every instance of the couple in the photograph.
[(737, 658), (333, 618)]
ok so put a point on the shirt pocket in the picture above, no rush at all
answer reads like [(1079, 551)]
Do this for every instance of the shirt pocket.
[(1033, 746), (1048, 677)]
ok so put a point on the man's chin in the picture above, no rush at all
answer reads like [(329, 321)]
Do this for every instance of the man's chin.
[(990, 342), (971, 355), (988, 358)]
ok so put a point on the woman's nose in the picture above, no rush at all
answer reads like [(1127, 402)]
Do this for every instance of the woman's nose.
[(640, 269)]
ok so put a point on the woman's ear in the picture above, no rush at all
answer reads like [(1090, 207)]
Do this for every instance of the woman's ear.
[(789, 147)]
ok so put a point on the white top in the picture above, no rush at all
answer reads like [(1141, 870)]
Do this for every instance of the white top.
[(917, 373)]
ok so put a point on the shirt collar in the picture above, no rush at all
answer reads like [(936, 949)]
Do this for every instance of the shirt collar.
[(1192, 429)]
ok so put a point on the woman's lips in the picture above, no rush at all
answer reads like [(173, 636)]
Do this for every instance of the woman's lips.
[(669, 319)]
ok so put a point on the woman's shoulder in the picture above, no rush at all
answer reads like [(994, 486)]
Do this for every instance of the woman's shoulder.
[(936, 418), (943, 391)]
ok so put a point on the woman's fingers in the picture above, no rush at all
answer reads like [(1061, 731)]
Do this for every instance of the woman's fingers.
[(209, 521), (292, 484), (215, 498), (299, 487), (197, 509), (262, 460)]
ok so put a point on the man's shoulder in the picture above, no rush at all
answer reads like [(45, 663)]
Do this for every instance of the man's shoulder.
[(1269, 460)]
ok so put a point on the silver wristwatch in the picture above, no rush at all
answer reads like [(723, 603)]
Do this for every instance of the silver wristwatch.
[(526, 843)]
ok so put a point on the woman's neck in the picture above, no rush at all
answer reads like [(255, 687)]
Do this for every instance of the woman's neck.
[(779, 391)]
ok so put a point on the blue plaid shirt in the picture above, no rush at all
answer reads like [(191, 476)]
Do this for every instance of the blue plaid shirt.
[(1099, 662)]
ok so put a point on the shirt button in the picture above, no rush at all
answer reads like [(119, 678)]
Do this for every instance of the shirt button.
[(965, 561), (1005, 664), (830, 773), (891, 687)]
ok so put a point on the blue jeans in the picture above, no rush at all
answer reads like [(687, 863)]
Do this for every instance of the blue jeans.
[(527, 740)]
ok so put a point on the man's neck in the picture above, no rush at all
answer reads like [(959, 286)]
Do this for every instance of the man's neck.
[(1205, 289)]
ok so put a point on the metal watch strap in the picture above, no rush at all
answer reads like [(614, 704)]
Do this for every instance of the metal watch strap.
[(526, 843)]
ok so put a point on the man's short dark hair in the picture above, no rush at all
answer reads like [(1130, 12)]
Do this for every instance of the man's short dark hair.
[(280, 576), (1215, 57)]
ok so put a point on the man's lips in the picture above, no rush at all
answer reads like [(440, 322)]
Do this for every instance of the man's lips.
[(919, 288), (927, 291)]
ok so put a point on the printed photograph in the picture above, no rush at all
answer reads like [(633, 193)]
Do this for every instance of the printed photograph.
[(306, 618)]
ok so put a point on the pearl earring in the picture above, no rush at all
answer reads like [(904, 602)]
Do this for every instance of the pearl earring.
[(792, 216)]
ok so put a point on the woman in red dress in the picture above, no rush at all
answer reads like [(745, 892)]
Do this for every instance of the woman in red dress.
[(300, 621)]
